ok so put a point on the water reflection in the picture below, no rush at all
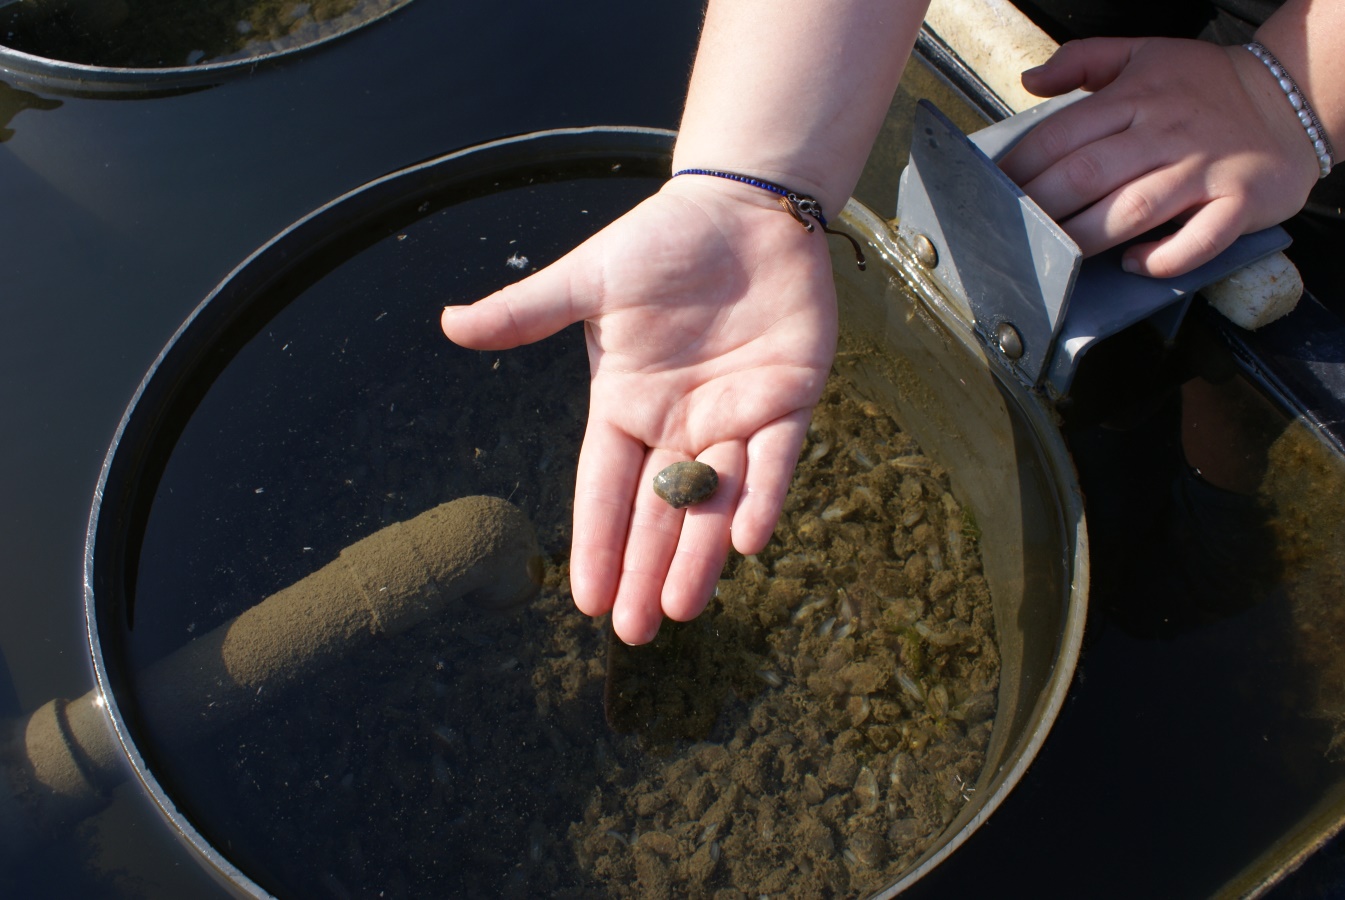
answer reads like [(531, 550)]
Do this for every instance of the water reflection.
[(14, 101)]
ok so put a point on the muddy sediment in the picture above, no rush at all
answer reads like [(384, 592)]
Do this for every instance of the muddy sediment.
[(809, 735), (856, 662)]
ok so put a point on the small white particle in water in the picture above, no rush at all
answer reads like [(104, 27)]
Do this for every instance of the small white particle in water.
[(401, 237), (380, 315), (517, 261), (771, 677), (195, 56), (286, 347), (259, 490)]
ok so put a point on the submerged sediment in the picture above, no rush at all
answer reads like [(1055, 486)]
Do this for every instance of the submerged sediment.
[(809, 735)]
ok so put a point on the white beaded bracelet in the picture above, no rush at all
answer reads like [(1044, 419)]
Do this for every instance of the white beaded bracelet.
[(1316, 133)]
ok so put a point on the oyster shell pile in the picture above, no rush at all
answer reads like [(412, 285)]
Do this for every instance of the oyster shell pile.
[(827, 717)]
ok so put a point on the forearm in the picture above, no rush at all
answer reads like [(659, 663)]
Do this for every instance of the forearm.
[(795, 91), (1308, 37)]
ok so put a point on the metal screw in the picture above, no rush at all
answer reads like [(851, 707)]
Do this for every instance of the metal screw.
[(1009, 340), (925, 254)]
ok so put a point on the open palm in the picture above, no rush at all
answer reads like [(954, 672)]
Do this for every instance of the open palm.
[(710, 319)]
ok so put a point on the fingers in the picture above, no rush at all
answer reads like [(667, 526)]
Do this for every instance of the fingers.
[(1106, 160), (1049, 147), (1210, 231), (640, 559), (1172, 193), (1211, 224), (655, 529), (673, 558), (703, 545), (1091, 64), (636, 556), (527, 311), (609, 469), (772, 455), (1131, 210), (1164, 139)]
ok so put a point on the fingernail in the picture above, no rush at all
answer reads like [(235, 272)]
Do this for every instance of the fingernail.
[(1130, 265), (1033, 70)]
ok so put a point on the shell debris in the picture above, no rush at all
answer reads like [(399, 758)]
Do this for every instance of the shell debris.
[(686, 483)]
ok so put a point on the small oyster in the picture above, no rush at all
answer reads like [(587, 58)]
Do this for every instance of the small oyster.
[(685, 483)]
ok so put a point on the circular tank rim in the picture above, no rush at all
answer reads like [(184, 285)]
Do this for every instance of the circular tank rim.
[(1069, 499), (85, 78), (490, 155), (493, 155)]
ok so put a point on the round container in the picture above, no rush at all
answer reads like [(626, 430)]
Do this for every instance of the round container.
[(310, 401), (116, 45), (1009, 466)]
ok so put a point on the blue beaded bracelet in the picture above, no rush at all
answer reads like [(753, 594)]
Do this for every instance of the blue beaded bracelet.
[(802, 202), (797, 205), (1306, 117)]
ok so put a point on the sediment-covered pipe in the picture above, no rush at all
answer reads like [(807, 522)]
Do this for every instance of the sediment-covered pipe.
[(59, 763)]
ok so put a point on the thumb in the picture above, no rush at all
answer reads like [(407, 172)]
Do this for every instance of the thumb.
[(1091, 63), (524, 312)]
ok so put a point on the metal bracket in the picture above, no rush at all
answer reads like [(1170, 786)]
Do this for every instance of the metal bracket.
[(1031, 295)]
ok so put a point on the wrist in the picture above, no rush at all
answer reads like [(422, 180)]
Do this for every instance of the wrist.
[(804, 208), (1298, 101), (1308, 39), (806, 211), (1276, 111), (774, 92), (802, 180)]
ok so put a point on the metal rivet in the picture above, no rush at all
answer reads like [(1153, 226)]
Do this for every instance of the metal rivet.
[(925, 254), (1009, 340)]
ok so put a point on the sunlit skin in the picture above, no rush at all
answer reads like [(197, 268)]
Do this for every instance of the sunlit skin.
[(710, 313), (702, 344), (1174, 130)]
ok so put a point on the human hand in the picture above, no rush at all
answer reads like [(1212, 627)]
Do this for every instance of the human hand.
[(1177, 130), (710, 319)]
